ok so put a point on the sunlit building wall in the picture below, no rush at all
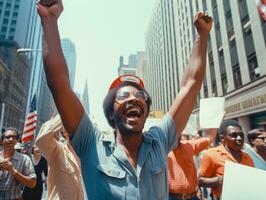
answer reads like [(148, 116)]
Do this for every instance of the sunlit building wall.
[(236, 61)]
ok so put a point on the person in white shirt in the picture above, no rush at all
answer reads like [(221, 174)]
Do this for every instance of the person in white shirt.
[(64, 174)]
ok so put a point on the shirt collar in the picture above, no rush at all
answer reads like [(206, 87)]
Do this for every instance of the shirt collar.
[(223, 151), (110, 137)]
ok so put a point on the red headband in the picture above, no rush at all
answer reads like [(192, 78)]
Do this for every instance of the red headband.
[(127, 77)]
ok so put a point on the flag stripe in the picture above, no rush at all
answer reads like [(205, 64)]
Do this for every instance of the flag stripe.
[(30, 123), (25, 135), (30, 130), (28, 139)]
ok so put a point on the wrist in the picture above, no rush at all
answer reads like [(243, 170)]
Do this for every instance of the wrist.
[(49, 20), (14, 172), (220, 180), (203, 35)]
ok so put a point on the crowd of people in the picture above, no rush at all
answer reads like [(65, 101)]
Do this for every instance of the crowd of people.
[(161, 163)]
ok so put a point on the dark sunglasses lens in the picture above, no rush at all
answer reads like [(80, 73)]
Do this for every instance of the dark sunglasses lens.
[(11, 136)]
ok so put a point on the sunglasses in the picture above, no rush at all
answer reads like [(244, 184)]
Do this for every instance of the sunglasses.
[(235, 135), (11, 136), (122, 96), (261, 138)]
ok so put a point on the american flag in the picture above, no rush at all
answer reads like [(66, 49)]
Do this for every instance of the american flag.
[(30, 123)]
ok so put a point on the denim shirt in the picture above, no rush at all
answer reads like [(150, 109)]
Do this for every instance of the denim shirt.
[(108, 174), (257, 159)]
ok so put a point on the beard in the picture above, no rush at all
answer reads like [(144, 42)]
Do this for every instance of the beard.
[(123, 127)]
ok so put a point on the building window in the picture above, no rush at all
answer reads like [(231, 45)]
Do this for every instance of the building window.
[(222, 62), (224, 83), (205, 89), (5, 21), (214, 89), (243, 10), (237, 76), (212, 70), (204, 5), (228, 17), (4, 29), (254, 70), (7, 13)]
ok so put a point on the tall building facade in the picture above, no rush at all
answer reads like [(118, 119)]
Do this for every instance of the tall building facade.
[(163, 63), (85, 99), (135, 64), (126, 68), (236, 67), (14, 70), (20, 22), (20, 25), (69, 51)]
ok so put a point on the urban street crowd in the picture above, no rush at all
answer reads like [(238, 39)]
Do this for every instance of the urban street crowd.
[(75, 160)]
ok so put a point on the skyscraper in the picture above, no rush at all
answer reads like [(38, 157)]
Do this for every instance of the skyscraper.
[(69, 52), (19, 23), (236, 58), (85, 99), (134, 66)]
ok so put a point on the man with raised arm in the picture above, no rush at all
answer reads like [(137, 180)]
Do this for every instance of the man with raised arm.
[(126, 164)]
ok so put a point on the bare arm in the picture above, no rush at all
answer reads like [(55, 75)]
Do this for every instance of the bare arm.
[(193, 76), (210, 182), (25, 180), (55, 67)]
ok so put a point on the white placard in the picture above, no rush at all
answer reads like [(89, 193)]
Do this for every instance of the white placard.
[(243, 182), (192, 125), (211, 112)]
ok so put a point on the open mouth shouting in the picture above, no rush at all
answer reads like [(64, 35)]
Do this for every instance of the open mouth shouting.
[(133, 114), (130, 117)]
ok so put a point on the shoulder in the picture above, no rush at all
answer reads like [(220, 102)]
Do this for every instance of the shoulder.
[(246, 158), (212, 152), (23, 159), (21, 156)]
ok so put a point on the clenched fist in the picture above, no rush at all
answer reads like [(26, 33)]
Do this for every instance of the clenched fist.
[(203, 23), (49, 8)]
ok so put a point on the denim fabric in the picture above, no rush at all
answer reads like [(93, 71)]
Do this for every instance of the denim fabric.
[(257, 159), (106, 171), (173, 198)]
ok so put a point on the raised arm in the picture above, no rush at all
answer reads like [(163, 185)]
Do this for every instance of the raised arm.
[(193, 75), (55, 67)]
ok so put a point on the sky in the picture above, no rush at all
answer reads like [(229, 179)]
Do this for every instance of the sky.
[(103, 30)]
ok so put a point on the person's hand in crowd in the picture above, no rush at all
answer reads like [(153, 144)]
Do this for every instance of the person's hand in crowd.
[(7, 165)]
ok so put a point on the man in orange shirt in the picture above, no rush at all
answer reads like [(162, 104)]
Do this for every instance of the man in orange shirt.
[(212, 164), (182, 173)]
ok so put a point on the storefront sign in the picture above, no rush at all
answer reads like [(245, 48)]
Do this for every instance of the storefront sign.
[(249, 103)]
